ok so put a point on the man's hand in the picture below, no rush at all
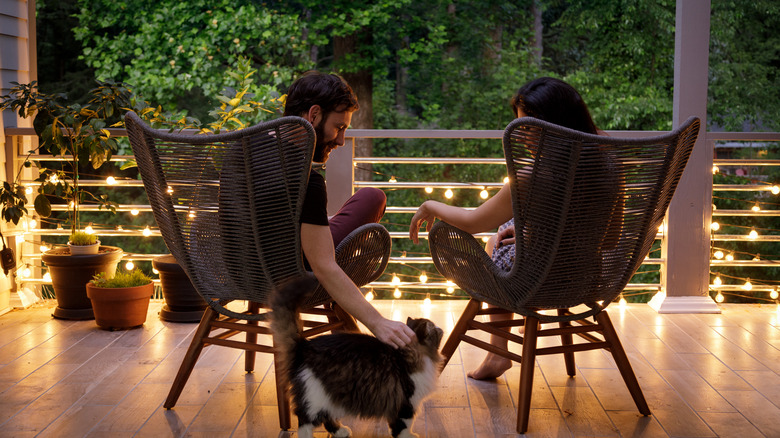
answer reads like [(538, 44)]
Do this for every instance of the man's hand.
[(393, 333)]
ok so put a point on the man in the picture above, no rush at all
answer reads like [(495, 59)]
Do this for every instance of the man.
[(327, 102)]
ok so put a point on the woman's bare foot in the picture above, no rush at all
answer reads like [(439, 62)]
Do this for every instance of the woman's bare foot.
[(491, 368)]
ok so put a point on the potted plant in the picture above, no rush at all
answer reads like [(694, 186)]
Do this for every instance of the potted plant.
[(121, 301), (76, 133), (82, 242)]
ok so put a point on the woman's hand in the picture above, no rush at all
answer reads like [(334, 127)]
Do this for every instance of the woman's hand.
[(423, 215), (393, 333), (506, 236)]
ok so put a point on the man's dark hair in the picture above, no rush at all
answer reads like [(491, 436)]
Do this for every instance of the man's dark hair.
[(331, 92)]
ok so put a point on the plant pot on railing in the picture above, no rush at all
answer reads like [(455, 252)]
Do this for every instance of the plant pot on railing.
[(69, 275), (182, 301), (121, 302)]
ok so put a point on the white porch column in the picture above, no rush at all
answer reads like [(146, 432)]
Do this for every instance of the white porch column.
[(686, 245)]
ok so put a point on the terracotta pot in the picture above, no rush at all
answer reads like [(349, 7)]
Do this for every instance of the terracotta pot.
[(120, 307), (70, 274)]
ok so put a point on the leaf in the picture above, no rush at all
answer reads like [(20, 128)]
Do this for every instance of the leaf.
[(42, 206)]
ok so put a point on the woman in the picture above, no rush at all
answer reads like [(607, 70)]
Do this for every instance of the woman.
[(548, 99)]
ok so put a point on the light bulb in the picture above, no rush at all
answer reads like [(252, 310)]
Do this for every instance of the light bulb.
[(756, 207), (393, 180), (450, 290), (506, 179), (718, 254), (89, 230), (170, 190), (429, 190), (33, 224), (775, 190), (396, 280), (147, 232), (719, 298), (753, 234), (26, 272), (748, 285), (397, 293), (134, 212), (715, 169), (485, 239), (111, 180), (773, 295), (448, 194), (370, 295), (729, 257), (483, 194), (155, 271), (28, 190), (714, 226), (423, 278), (44, 248), (427, 301), (129, 265), (54, 179), (717, 281)]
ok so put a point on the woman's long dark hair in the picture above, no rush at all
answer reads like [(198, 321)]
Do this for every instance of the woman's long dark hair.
[(554, 101)]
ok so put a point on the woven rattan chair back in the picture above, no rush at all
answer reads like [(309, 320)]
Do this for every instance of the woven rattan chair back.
[(228, 205), (586, 209)]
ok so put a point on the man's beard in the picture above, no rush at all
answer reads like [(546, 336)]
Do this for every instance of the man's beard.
[(322, 149)]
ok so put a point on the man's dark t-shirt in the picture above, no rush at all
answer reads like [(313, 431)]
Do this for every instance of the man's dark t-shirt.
[(315, 204)]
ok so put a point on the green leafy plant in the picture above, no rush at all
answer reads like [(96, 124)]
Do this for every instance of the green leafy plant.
[(78, 134), (82, 238), (133, 278)]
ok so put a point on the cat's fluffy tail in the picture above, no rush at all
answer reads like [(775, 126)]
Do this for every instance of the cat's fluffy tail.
[(285, 301)]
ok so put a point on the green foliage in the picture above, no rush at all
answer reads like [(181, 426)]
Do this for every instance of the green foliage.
[(82, 238), (133, 278), (75, 132)]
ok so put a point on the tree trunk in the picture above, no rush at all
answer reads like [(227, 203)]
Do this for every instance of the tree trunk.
[(536, 11), (361, 81)]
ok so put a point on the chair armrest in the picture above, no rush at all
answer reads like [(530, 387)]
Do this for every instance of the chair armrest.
[(364, 253), (462, 258)]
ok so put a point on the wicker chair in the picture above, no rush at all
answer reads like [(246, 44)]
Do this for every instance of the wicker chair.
[(586, 211), (228, 208)]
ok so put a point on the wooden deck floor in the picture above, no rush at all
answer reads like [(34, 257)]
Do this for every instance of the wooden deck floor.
[(703, 375)]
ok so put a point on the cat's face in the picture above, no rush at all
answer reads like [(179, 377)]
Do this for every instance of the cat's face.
[(426, 331)]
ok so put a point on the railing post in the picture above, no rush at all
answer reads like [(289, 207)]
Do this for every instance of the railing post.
[(686, 239), (339, 175)]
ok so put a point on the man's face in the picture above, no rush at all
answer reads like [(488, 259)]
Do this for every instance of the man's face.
[(330, 134)]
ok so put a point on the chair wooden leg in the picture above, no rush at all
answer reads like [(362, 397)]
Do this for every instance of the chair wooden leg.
[(251, 338), (566, 339), (460, 328), (188, 363), (621, 359), (527, 366), (350, 325), (282, 396)]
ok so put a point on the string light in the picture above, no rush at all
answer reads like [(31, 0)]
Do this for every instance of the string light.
[(448, 194), (729, 257), (28, 190), (774, 294), (718, 254), (26, 272), (506, 180), (370, 295), (33, 223), (748, 285), (134, 212), (715, 169), (719, 297), (427, 301), (170, 190), (155, 271), (89, 230), (129, 265), (423, 278), (753, 234), (484, 194), (44, 247), (717, 281), (775, 190), (450, 287), (111, 180), (756, 207), (54, 179), (714, 226), (429, 190), (397, 293), (147, 231), (393, 180), (396, 280)]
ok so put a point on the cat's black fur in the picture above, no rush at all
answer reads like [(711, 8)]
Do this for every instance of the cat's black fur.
[(352, 374)]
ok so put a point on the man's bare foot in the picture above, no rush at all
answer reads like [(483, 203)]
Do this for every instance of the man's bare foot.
[(491, 368)]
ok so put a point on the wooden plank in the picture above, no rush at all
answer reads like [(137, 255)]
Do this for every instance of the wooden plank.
[(730, 424), (756, 409), (582, 412)]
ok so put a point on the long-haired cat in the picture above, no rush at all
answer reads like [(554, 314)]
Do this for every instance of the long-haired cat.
[(352, 374)]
